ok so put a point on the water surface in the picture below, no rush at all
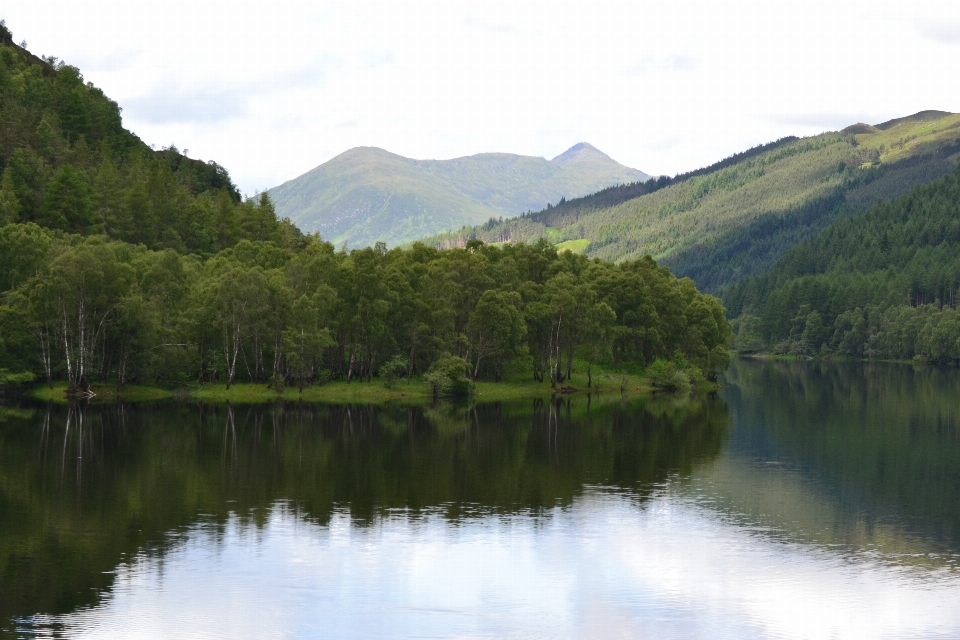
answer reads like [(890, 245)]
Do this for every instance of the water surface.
[(805, 500)]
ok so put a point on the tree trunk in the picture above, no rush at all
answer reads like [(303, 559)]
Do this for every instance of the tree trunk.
[(121, 371)]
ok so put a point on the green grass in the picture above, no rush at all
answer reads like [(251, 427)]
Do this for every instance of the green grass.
[(576, 246), (333, 392), (104, 393), (517, 384)]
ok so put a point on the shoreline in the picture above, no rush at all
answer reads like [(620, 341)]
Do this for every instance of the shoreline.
[(339, 392), (791, 357)]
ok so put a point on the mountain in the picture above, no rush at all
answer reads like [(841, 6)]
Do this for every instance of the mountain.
[(724, 222), (367, 194)]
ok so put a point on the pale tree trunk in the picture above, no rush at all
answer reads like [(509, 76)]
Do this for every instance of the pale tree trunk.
[(553, 359), (65, 337), (231, 347), (480, 350), (45, 348), (277, 351)]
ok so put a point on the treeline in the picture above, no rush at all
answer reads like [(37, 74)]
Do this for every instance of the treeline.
[(67, 163), (91, 308), (884, 284)]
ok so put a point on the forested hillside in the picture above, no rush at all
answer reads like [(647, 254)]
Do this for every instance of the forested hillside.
[(124, 264), (366, 195), (884, 284), (69, 165), (736, 218)]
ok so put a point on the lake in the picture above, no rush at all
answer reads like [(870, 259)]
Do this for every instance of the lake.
[(805, 500)]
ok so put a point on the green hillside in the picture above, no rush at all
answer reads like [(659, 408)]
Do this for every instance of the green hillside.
[(68, 165), (882, 284), (366, 194), (722, 223)]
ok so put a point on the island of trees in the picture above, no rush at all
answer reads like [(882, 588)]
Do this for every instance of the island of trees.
[(90, 308)]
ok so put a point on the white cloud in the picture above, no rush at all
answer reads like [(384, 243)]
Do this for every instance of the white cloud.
[(271, 90)]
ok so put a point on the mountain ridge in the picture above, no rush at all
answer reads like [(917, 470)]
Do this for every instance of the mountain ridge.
[(369, 194)]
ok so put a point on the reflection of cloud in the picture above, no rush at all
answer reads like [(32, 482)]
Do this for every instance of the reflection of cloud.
[(602, 567), (660, 64), (943, 32)]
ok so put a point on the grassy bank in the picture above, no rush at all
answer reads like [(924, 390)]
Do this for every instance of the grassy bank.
[(516, 385), (103, 393)]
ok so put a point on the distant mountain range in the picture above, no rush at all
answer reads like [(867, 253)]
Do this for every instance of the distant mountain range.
[(366, 194)]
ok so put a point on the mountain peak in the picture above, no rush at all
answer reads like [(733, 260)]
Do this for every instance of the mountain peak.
[(581, 152)]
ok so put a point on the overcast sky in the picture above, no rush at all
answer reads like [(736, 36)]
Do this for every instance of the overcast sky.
[(272, 89)]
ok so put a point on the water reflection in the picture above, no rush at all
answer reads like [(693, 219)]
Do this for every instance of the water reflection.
[(807, 500), (863, 457), (82, 490)]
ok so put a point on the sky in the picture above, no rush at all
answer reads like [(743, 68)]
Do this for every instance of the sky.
[(272, 89)]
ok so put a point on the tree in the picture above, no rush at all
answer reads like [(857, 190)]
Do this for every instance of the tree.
[(597, 331), (66, 203), (306, 339), (9, 204), (447, 377), (239, 303), (495, 329), (82, 287)]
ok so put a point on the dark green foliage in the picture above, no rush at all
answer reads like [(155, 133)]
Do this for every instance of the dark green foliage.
[(882, 284), (67, 163), (66, 202), (393, 369), (91, 308)]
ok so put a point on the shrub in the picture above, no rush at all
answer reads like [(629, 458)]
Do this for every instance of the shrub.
[(14, 382), (448, 377), (278, 384), (393, 369), (667, 376)]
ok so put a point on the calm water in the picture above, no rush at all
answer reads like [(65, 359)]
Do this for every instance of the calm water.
[(804, 501)]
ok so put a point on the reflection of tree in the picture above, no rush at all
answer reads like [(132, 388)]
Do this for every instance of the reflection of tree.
[(83, 488), (883, 437)]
